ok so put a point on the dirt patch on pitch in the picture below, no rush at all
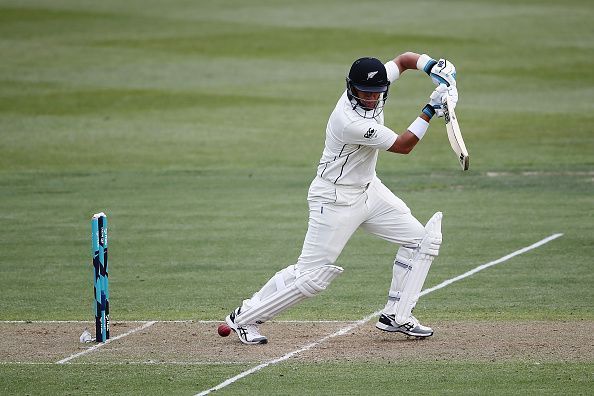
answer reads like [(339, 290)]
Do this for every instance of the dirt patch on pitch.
[(192, 342), (46, 342), (199, 343), (474, 341)]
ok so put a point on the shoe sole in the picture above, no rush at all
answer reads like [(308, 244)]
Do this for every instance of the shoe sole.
[(234, 328), (391, 329)]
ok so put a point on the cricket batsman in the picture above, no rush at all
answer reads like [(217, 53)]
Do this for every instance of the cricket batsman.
[(346, 194)]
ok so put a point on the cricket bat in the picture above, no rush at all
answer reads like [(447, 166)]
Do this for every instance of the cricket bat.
[(454, 134)]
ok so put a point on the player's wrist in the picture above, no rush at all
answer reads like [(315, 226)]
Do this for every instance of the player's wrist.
[(428, 111), (425, 63), (419, 127)]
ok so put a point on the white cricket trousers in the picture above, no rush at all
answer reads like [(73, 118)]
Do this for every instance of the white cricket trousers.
[(336, 212)]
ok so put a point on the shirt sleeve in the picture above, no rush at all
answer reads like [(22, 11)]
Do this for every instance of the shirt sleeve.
[(369, 133)]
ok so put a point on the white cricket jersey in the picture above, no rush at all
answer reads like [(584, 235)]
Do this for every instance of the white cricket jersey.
[(353, 142)]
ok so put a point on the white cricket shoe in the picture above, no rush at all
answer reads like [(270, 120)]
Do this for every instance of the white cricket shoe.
[(411, 327), (248, 334)]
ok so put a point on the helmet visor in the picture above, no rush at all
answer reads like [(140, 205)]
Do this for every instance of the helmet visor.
[(366, 88)]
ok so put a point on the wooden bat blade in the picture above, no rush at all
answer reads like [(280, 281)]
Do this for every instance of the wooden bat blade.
[(454, 134)]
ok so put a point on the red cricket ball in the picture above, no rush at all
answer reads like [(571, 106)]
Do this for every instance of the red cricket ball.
[(224, 330)]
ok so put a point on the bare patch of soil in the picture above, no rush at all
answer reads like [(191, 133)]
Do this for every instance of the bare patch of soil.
[(199, 343), (467, 341), (48, 342)]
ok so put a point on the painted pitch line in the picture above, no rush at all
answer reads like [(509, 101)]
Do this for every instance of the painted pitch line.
[(162, 321), (366, 319), (112, 322), (45, 321), (490, 264), (92, 321), (270, 321), (138, 363), (95, 347)]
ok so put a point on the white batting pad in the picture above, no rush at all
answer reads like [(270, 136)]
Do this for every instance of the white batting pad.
[(432, 240), (410, 270), (290, 290)]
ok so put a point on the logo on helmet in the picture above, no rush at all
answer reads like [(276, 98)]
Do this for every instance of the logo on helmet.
[(371, 74)]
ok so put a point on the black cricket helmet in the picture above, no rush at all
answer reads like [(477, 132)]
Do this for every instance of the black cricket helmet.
[(368, 75)]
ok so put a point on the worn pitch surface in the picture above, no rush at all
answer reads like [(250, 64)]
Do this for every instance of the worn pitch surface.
[(198, 343)]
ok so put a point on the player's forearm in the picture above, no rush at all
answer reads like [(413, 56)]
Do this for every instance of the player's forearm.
[(407, 61), (425, 117), (406, 141)]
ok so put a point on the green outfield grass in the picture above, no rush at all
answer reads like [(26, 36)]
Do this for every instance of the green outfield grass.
[(426, 378), (197, 127)]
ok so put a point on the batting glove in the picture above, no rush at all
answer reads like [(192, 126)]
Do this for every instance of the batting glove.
[(437, 97), (452, 92), (443, 72)]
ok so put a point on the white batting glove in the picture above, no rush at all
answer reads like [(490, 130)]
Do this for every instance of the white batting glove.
[(443, 72), (437, 97), (452, 92)]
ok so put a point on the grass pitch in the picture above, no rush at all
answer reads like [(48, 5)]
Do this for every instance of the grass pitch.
[(196, 127)]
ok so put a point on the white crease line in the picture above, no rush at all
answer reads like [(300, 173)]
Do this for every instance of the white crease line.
[(95, 347), (138, 363), (373, 315), (92, 321), (270, 321), (173, 362), (490, 264), (162, 321), (46, 321)]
